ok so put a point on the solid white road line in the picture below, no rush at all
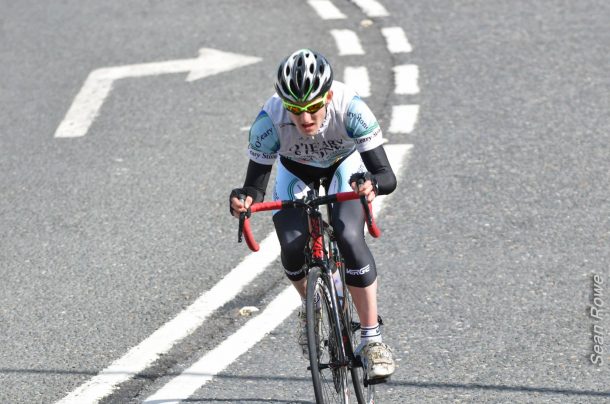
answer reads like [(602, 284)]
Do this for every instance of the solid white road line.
[(396, 40), (187, 383), (358, 79), (326, 10), (162, 340), (404, 118), (371, 8), (347, 42), (406, 77)]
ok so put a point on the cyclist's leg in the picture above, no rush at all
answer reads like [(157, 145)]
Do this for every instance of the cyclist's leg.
[(348, 223), (291, 226), (361, 275)]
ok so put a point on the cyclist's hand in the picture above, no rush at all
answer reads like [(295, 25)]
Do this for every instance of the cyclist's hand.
[(365, 189), (237, 205), (364, 184)]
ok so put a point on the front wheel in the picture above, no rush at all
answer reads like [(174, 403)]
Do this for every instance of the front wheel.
[(328, 364)]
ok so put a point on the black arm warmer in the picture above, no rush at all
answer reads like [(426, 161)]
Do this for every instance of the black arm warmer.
[(257, 178), (376, 161)]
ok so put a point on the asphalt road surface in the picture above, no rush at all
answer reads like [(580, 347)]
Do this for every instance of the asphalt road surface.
[(495, 256)]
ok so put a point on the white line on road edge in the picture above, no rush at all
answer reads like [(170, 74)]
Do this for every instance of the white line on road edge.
[(404, 118), (371, 8), (396, 40), (187, 383), (326, 10), (347, 42), (406, 77), (185, 323), (358, 79)]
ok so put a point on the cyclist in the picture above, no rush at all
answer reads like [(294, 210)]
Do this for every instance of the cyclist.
[(319, 128)]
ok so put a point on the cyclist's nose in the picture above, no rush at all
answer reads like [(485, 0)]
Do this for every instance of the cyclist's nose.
[(305, 117)]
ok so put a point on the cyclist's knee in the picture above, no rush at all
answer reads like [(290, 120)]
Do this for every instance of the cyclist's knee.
[(349, 236)]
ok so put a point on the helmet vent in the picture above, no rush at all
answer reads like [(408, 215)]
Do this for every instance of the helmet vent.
[(285, 88), (307, 84)]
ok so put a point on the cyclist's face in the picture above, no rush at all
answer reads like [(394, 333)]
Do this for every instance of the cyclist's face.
[(307, 123)]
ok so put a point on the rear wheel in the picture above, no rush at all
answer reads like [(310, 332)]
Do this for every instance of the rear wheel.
[(329, 367)]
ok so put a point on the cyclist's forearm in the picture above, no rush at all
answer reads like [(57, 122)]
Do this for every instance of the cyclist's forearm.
[(376, 161), (257, 178)]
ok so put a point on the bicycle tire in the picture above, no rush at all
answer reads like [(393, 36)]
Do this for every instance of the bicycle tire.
[(351, 327), (326, 353)]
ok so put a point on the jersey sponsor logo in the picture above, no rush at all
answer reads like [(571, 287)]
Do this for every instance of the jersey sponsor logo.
[(360, 271), (359, 120), (368, 138), (259, 138), (320, 150), (260, 155)]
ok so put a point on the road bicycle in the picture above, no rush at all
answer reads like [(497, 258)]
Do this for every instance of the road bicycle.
[(332, 322)]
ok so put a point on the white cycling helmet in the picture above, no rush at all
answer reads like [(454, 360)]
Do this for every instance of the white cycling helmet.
[(303, 76)]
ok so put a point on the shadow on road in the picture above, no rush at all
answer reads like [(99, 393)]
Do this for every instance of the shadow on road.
[(422, 385)]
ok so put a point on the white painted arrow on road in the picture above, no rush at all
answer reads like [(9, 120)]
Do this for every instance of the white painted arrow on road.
[(89, 100)]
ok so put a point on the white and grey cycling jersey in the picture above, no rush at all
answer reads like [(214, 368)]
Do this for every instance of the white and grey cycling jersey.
[(349, 125)]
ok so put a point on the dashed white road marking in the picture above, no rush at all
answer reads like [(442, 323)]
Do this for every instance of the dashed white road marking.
[(347, 42), (406, 77), (404, 118), (326, 10), (161, 341), (358, 79), (396, 40), (371, 8), (187, 383)]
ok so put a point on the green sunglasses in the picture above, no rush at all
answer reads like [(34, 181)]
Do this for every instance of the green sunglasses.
[(311, 108)]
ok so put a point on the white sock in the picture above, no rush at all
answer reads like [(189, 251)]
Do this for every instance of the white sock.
[(370, 334)]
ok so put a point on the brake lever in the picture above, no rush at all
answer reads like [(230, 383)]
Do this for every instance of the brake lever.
[(365, 204), (242, 219)]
